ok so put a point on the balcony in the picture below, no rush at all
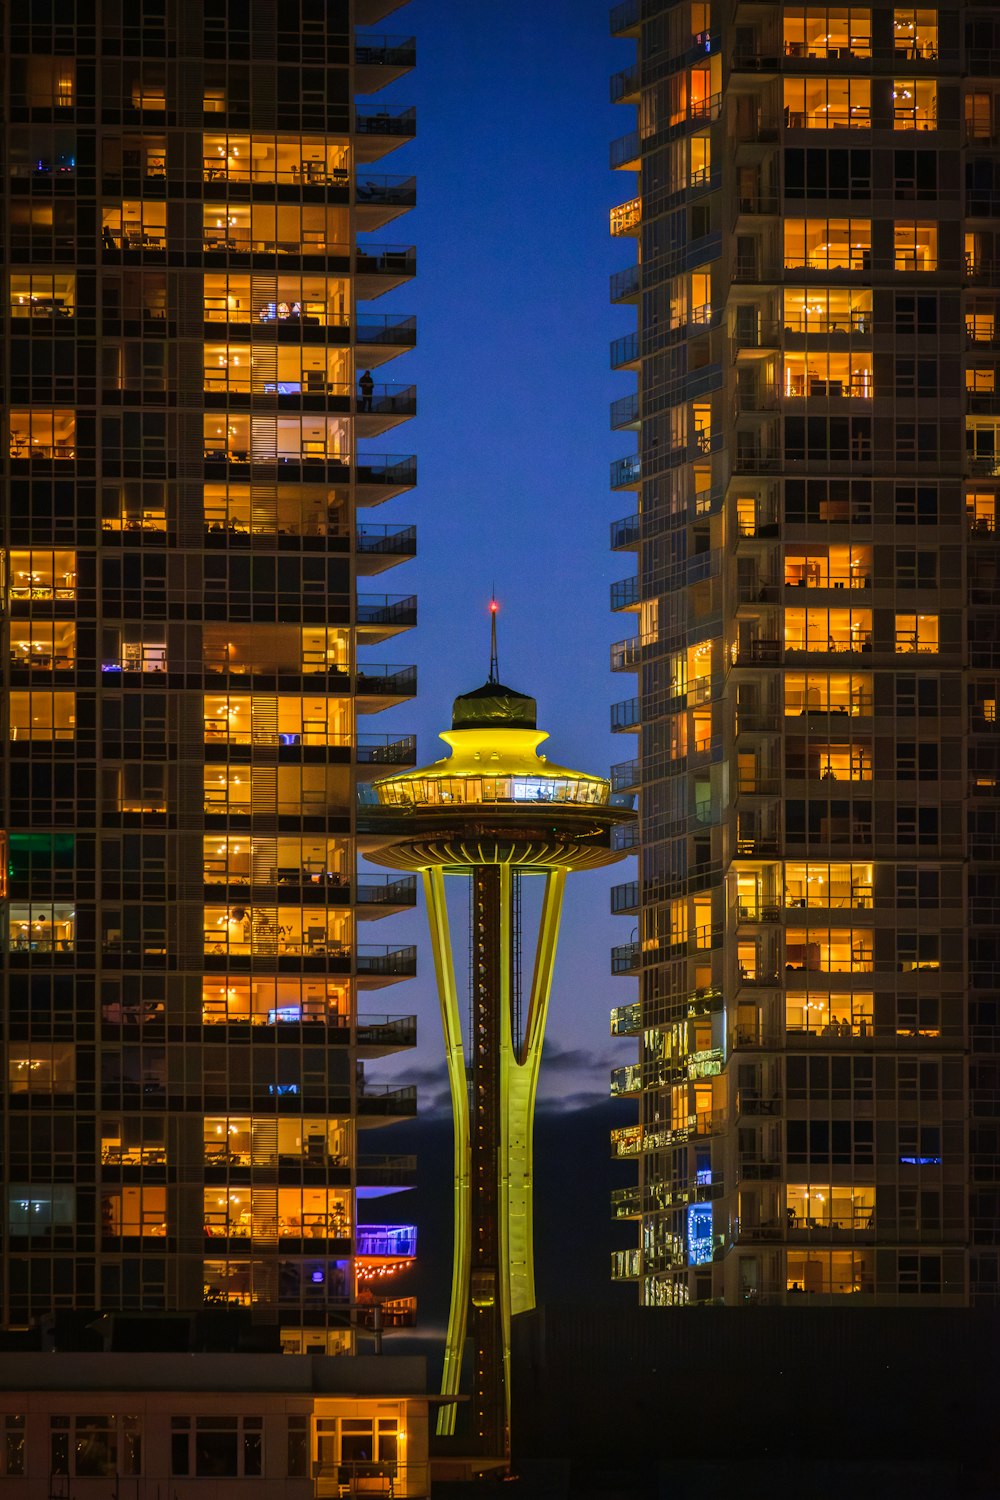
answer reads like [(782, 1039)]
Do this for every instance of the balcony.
[(378, 60), (380, 616), (379, 131), (626, 1081), (387, 1102), (381, 1035), (624, 285), (379, 547), (625, 594), (625, 898), (625, 534), (626, 218), (626, 1020), (394, 1241), (381, 685), (378, 966), (625, 86), (378, 896), (379, 268), (625, 958), (625, 19), (382, 336), (379, 200), (384, 475), (626, 473), (626, 153), (625, 716), (625, 412), (378, 409), (626, 1202), (625, 352), (386, 1171), (626, 656), (625, 776), (379, 751)]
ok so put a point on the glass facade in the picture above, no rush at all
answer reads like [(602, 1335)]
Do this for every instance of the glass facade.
[(815, 644), (198, 414)]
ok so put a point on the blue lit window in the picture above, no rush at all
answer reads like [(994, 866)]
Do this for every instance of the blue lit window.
[(699, 1231)]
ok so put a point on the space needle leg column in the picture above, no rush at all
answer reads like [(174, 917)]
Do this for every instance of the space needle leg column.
[(444, 966), (519, 1085), (491, 970)]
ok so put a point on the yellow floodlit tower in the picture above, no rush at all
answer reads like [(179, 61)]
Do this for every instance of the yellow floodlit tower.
[(492, 811)]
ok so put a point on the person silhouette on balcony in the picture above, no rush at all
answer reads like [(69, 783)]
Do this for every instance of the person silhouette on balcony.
[(366, 386)]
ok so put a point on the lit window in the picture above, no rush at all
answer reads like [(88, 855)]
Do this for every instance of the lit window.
[(827, 103), (915, 34), (828, 244), (915, 246), (827, 31), (914, 104), (916, 633)]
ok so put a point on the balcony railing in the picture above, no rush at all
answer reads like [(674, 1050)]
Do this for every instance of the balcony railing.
[(386, 541), (386, 468), (626, 655), (625, 958), (385, 260), (386, 51), (625, 149), (626, 1020), (387, 962), (386, 680), (625, 472), (392, 192), (386, 750), (625, 776), (625, 351), (625, 897), (385, 328), (624, 84), (625, 218), (625, 715), (624, 285), (625, 533), (387, 609), (387, 1031), (391, 890), (625, 410), (624, 17), (398, 121), (625, 593), (388, 1099)]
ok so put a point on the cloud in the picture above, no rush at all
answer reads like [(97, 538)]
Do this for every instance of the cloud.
[(559, 1059)]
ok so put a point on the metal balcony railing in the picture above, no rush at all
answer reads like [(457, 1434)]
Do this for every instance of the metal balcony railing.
[(381, 960), (398, 121), (625, 351), (386, 541), (625, 776), (386, 51), (625, 472), (625, 410), (624, 84), (387, 609), (625, 958), (390, 890), (625, 715), (624, 284), (386, 750), (625, 533), (383, 680)]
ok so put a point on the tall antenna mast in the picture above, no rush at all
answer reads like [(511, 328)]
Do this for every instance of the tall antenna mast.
[(494, 668)]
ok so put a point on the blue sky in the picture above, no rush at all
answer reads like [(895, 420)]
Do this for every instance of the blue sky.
[(513, 441)]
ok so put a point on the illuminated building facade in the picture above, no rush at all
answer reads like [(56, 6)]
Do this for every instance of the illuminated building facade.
[(493, 812), (194, 208), (816, 905)]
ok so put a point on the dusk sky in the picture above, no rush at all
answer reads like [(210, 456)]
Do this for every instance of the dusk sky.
[(513, 441)]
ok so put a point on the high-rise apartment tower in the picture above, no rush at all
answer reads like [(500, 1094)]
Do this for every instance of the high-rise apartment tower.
[(817, 652), (195, 423)]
